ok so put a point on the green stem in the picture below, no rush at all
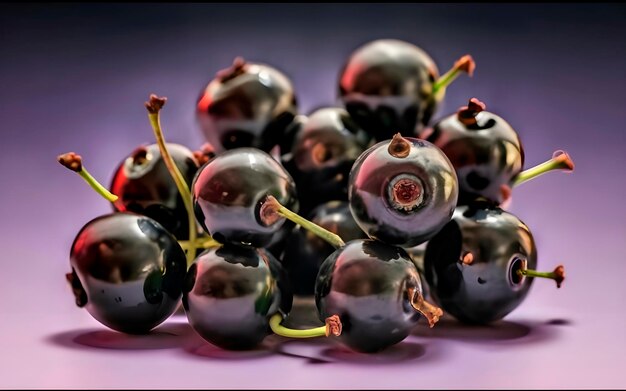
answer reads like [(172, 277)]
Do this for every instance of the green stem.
[(103, 191), (183, 189), (203, 242), (464, 64), (558, 274), (534, 273), (559, 161), (333, 326), (74, 162), (272, 207)]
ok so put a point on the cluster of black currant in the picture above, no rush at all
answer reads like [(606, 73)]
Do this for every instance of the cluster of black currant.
[(372, 173)]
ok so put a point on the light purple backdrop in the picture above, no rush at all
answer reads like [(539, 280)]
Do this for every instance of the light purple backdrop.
[(74, 78)]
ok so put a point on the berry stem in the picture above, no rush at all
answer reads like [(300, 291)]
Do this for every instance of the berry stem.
[(271, 210), (464, 64), (154, 106), (560, 161), (332, 327), (203, 242), (74, 162), (431, 312), (558, 274)]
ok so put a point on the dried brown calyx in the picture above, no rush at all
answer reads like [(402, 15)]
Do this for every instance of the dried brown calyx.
[(206, 153), (239, 67), (467, 114), (72, 161), (333, 326), (430, 312), (155, 104), (466, 64), (399, 146)]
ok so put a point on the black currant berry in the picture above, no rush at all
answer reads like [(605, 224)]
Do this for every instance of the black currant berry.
[(247, 105), (390, 86), (402, 191), (487, 153), (127, 271), (322, 155), (230, 190), (145, 186), (376, 291), (231, 292), (484, 149), (478, 266)]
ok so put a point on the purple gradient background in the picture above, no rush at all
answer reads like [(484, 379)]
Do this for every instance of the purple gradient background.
[(74, 78)]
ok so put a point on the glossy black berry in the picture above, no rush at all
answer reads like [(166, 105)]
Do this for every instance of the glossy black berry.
[(305, 252), (230, 293), (484, 149), (472, 263), (247, 105), (387, 87), (127, 271), (370, 285), (229, 191), (402, 191), (145, 186), (322, 155)]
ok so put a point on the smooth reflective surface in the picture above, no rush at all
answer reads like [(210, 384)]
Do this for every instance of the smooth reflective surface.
[(386, 86), (366, 284), (230, 292), (145, 186), (485, 157), (487, 289), (247, 106), (371, 207), (322, 156), (127, 271), (229, 190)]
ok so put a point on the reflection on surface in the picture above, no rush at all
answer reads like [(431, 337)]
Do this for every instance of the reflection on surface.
[(503, 331), (169, 336), (201, 349), (321, 351)]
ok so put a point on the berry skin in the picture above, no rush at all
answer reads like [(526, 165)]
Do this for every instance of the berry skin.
[(230, 293), (247, 105), (305, 252), (402, 191), (472, 264), (127, 271), (484, 149), (386, 86), (322, 155), (145, 186), (374, 288), (229, 191)]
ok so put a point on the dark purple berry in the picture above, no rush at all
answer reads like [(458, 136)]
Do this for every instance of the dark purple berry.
[(231, 292), (145, 186), (375, 289), (402, 191), (127, 271), (386, 86), (247, 105), (229, 192), (322, 156), (473, 264), (484, 149)]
